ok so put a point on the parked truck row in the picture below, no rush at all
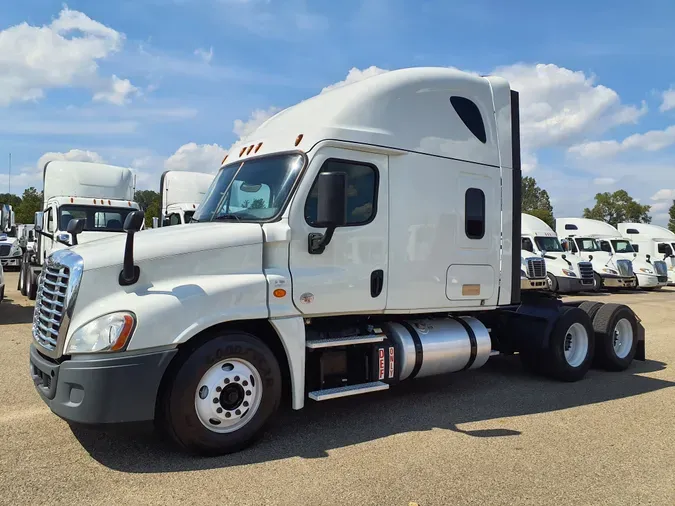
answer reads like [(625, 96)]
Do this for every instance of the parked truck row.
[(359, 239)]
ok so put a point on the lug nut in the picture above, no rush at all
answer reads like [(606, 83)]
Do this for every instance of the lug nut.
[(219, 410), (248, 392), (215, 400), (218, 389), (245, 383), (228, 415), (236, 378), (227, 380), (246, 404), (237, 412)]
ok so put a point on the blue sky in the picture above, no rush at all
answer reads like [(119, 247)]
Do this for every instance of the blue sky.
[(157, 84)]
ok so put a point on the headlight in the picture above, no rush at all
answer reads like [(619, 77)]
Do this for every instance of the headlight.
[(646, 271), (109, 332), (610, 271), (15, 251), (522, 273), (569, 273)]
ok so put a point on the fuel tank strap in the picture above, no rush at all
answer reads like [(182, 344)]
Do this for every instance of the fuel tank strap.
[(472, 340), (419, 353)]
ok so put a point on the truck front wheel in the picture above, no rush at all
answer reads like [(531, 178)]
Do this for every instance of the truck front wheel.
[(221, 395)]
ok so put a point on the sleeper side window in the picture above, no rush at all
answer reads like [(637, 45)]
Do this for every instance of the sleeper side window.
[(474, 213)]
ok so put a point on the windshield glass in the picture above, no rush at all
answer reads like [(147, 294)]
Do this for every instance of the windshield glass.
[(551, 244), (188, 216), (623, 247), (586, 244), (253, 190), (98, 218)]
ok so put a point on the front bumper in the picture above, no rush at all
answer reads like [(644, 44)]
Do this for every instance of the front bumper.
[(648, 280), (101, 390), (10, 261), (618, 282), (533, 284), (573, 285)]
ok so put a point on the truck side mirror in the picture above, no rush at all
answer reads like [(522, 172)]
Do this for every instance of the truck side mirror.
[(74, 228), (331, 209), (38, 219), (130, 272)]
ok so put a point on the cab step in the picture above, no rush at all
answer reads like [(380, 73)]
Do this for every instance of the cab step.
[(334, 393), (345, 341)]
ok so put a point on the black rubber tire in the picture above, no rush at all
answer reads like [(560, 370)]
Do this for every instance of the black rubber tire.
[(20, 276), (590, 307), (604, 324), (176, 412), (553, 358), (597, 283), (24, 281), (32, 285), (552, 283)]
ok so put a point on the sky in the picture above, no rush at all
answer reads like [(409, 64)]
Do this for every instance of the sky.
[(172, 84)]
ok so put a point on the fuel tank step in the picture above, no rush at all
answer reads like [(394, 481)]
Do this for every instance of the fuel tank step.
[(345, 341), (334, 393)]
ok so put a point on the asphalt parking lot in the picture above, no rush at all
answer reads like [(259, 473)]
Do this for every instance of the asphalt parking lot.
[(492, 436)]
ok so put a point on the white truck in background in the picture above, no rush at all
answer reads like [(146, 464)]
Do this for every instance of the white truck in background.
[(10, 252), (532, 272), (652, 243), (180, 194), (207, 328), (82, 202), (565, 272), (614, 260), (26, 237)]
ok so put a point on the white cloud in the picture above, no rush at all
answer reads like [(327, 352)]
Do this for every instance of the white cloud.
[(206, 56), (355, 75), (661, 206), (664, 194), (653, 140), (604, 181), (558, 104), (196, 158), (244, 128), (64, 53), (74, 155), (118, 92), (668, 97)]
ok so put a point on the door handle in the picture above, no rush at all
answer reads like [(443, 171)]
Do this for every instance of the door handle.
[(376, 282)]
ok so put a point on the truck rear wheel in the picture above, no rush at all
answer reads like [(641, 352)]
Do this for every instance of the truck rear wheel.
[(221, 395), (590, 307), (571, 346), (616, 334)]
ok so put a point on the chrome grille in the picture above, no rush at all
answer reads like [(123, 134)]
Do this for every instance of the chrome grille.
[(661, 268), (585, 270), (625, 268), (5, 249), (536, 268), (50, 305), (57, 290)]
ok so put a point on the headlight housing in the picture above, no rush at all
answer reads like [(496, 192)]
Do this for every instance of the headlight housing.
[(569, 273), (610, 271), (107, 333), (646, 271), (523, 274), (15, 251)]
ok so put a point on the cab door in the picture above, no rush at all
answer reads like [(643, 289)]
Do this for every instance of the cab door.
[(350, 275)]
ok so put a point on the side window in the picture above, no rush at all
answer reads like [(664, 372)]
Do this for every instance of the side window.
[(526, 244), (662, 249), (573, 246), (362, 183), (470, 115), (604, 246), (174, 219), (474, 213), (636, 248)]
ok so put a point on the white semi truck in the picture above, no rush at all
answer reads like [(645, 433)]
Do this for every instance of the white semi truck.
[(207, 328), (180, 194), (532, 272), (652, 243), (82, 202), (10, 252), (613, 248), (565, 272), (578, 236)]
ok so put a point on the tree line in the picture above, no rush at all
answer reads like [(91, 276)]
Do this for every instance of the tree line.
[(612, 208)]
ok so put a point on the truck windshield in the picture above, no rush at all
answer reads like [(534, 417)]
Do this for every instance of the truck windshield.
[(188, 216), (253, 190), (586, 244), (98, 218), (622, 247), (548, 244)]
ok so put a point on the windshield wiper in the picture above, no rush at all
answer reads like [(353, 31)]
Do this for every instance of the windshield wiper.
[(226, 217)]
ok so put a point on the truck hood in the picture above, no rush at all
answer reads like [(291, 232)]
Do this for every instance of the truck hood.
[(156, 243)]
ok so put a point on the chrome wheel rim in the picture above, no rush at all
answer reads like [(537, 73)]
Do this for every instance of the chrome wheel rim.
[(575, 345), (228, 395), (622, 338)]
